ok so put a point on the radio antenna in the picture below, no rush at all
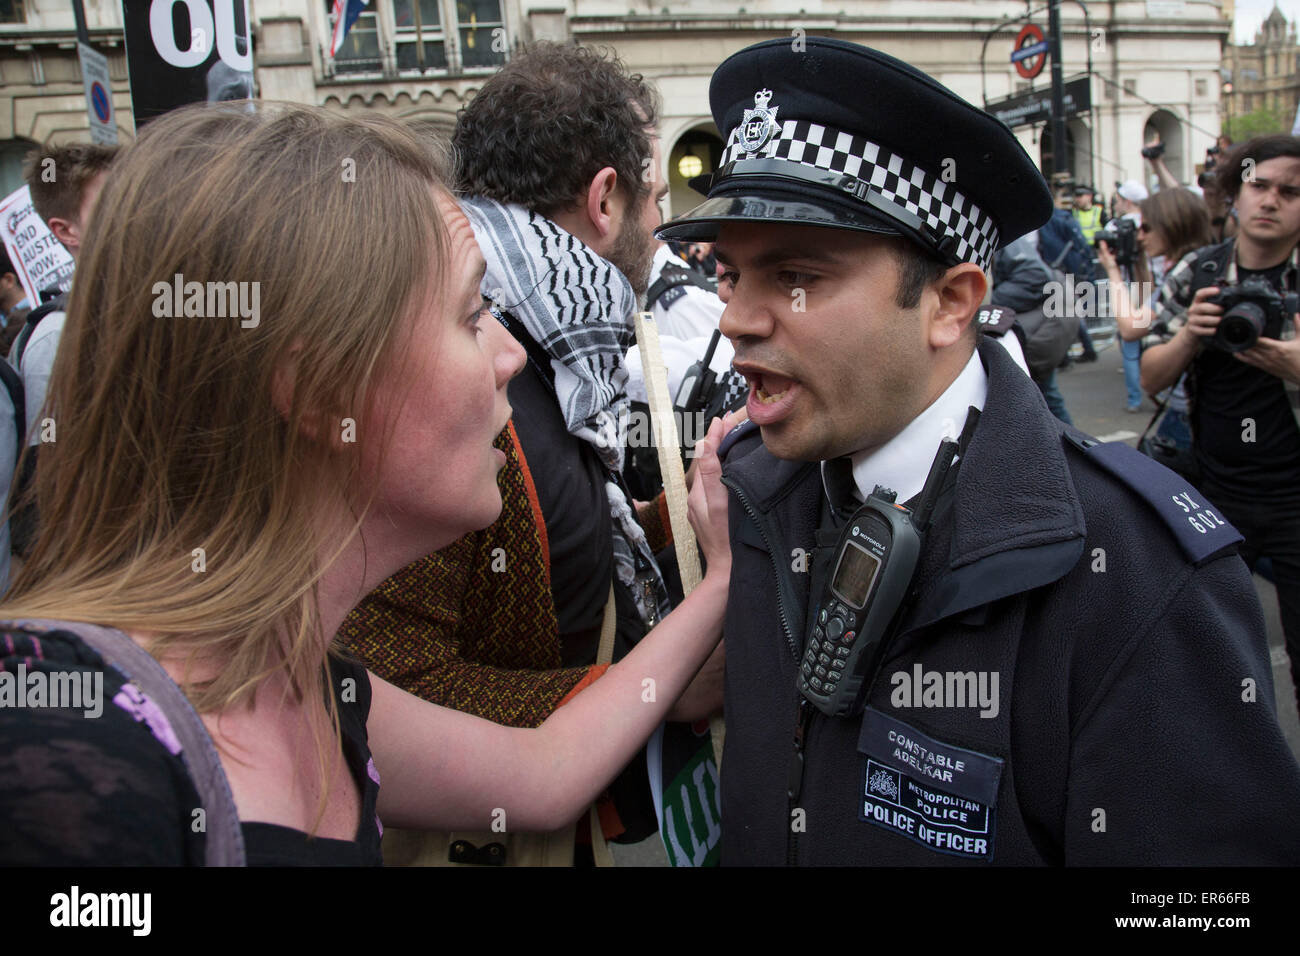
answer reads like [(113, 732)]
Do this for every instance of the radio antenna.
[(934, 484), (713, 344)]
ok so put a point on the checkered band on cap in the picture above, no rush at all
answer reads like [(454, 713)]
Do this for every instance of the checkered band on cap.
[(937, 203)]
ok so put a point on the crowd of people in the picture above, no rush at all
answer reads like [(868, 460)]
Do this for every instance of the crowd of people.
[(1192, 242), (382, 538), (1096, 278)]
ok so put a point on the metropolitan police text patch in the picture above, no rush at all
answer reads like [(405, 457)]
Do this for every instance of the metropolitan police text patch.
[(938, 795)]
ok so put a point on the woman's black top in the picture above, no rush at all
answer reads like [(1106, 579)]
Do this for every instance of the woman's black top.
[(97, 785)]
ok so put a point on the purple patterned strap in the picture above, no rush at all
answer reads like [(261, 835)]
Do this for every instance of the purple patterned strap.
[(145, 711)]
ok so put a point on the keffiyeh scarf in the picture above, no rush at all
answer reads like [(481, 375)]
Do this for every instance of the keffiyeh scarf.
[(578, 307)]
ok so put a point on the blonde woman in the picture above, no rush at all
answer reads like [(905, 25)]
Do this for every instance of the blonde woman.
[(228, 482)]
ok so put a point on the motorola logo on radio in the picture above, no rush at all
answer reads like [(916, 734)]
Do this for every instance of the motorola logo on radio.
[(858, 532)]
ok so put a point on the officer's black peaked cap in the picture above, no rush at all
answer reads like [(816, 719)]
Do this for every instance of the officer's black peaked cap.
[(840, 135)]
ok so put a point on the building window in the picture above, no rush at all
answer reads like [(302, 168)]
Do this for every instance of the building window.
[(1201, 87), (482, 33), (420, 42), (13, 11), (439, 36), (359, 52), (1130, 86)]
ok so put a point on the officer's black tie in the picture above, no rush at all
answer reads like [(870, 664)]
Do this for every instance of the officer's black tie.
[(841, 489)]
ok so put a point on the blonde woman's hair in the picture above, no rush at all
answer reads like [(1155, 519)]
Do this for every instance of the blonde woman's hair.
[(168, 435)]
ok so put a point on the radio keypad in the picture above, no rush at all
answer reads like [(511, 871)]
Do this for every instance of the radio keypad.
[(828, 650)]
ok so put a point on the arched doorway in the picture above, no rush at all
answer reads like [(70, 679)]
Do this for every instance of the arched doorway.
[(700, 147), (1170, 128)]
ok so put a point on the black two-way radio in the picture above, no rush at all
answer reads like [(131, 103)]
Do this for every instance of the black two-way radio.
[(874, 561), (694, 393), (697, 384)]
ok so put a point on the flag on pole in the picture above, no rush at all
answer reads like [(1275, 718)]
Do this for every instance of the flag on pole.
[(345, 14)]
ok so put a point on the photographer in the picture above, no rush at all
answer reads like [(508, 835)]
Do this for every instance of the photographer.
[(1241, 396), (1174, 223), (1154, 153), (1126, 204), (1121, 238), (1222, 223)]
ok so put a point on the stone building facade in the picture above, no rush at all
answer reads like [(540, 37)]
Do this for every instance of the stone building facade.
[(1155, 63), (1264, 75)]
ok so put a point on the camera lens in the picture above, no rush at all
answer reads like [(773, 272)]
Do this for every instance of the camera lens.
[(1240, 327)]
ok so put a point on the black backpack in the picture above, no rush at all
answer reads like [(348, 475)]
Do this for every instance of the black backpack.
[(57, 304), (13, 384), (22, 522)]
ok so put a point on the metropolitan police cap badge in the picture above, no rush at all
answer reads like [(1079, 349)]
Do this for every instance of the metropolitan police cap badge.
[(759, 124)]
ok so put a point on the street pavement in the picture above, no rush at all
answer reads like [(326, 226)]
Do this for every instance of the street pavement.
[(1095, 397)]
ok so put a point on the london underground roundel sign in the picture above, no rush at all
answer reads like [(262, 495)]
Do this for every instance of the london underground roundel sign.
[(1029, 53)]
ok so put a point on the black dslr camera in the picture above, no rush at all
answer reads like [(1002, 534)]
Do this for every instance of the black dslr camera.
[(1122, 241), (1250, 309)]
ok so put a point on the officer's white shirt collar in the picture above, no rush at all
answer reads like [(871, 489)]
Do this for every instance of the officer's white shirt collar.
[(903, 462)]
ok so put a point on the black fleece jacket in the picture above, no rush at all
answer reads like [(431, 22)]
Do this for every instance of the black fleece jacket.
[(1134, 722)]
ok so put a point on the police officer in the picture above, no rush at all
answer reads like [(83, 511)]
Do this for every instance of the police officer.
[(685, 303), (1039, 700), (1086, 214)]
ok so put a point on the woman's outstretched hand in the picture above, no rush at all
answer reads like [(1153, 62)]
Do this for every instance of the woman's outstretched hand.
[(707, 503)]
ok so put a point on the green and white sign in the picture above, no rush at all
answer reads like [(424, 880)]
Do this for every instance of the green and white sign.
[(689, 805)]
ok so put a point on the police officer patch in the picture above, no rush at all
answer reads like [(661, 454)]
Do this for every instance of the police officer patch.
[(1201, 532), (995, 319), (759, 124), (938, 795)]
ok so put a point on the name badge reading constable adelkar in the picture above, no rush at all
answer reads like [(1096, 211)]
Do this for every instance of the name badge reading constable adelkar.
[(940, 796)]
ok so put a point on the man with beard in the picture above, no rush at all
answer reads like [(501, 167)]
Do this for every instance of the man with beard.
[(559, 165)]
